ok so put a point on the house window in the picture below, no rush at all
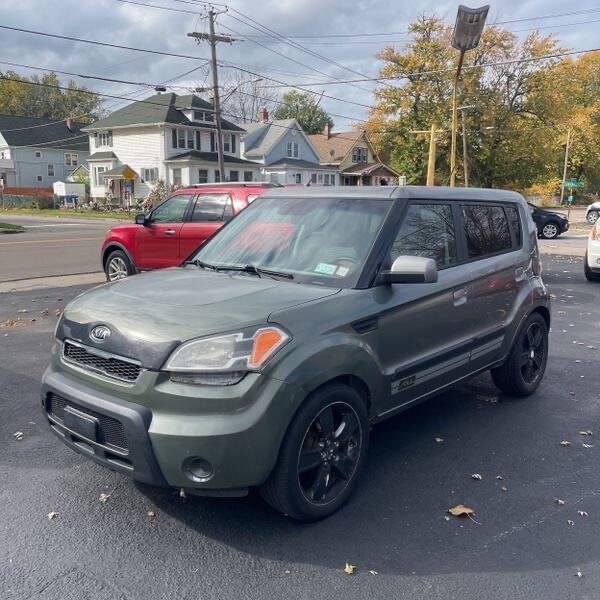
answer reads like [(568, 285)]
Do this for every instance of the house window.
[(181, 138), (232, 143), (174, 138), (217, 175), (329, 179), (71, 159), (198, 140), (39, 178), (359, 155), (150, 175), (50, 170), (234, 176), (248, 176), (104, 138), (38, 154), (209, 117), (313, 178), (98, 177), (5, 154), (292, 149), (190, 140), (200, 115), (229, 142), (298, 177), (176, 175), (202, 175), (320, 177), (212, 142)]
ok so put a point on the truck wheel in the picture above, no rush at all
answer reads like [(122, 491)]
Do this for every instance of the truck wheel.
[(524, 368), (118, 266), (321, 456)]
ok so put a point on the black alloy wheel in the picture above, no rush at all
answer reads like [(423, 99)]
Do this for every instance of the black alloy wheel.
[(533, 353)]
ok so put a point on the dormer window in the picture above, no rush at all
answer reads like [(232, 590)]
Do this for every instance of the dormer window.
[(104, 138), (202, 115), (292, 149)]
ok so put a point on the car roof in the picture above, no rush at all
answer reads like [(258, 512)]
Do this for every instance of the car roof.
[(249, 185), (397, 192)]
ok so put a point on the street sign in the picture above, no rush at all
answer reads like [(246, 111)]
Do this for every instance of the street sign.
[(128, 173), (573, 183)]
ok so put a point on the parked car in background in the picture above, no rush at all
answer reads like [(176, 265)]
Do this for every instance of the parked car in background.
[(264, 360), (592, 212), (172, 230), (549, 224), (591, 263)]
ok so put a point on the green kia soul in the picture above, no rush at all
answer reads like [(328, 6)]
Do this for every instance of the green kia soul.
[(263, 360)]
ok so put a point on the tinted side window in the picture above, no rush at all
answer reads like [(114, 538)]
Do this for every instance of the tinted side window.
[(172, 210), (486, 230), (427, 230), (210, 207), (515, 222)]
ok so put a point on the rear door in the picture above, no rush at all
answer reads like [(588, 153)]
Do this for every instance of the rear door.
[(424, 332), (209, 213), (158, 242)]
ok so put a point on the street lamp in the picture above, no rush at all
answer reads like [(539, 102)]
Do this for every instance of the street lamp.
[(467, 33)]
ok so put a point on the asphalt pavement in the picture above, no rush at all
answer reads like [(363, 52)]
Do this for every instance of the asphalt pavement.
[(51, 247), (521, 543)]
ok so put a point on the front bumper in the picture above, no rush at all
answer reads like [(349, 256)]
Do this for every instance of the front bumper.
[(237, 429)]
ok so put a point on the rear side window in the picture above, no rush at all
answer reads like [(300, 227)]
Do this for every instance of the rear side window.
[(486, 230), (428, 231), (211, 207), (515, 222)]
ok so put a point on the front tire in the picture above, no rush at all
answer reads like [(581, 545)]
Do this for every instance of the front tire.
[(524, 369), (589, 274), (592, 216), (550, 231), (321, 456), (118, 266)]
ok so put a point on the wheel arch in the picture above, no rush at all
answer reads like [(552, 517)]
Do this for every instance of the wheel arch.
[(111, 247)]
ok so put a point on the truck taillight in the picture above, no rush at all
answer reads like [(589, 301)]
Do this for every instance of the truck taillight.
[(596, 232)]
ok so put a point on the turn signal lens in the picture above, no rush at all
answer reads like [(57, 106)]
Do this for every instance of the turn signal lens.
[(266, 341), (596, 232)]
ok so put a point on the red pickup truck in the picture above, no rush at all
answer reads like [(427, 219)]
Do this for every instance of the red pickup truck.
[(172, 230)]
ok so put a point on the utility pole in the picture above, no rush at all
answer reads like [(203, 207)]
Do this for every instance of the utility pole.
[(454, 118), (431, 161), (212, 39), (464, 140), (562, 188)]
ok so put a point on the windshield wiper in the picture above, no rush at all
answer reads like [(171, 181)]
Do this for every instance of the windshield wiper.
[(257, 271), (201, 264)]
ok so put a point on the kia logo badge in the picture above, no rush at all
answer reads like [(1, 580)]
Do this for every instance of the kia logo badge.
[(100, 333)]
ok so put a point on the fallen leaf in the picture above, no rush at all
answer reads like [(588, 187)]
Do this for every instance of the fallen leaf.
[(588, 445), (18, 435), (571, 523), (582, 513), (439, 440), (476, 476), (446, 517), (22, 311), (461, 511), (373, 572), (504, 488), (52, 515), (287, 571), (58, 312), (578, 573), (104, 498), (349, 569), (151, 514), (499, 477), (565, 443), (559, 501), (44, 312), (182, 493), (584, 433)]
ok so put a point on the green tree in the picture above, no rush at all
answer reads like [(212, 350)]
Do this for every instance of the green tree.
[(41, 97), (302, 107)]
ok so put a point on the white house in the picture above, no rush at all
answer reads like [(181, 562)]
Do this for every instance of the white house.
[(36, 152), (286, 154), (166, 137)]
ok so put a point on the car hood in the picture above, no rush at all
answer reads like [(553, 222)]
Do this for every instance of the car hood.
[(150, 314)]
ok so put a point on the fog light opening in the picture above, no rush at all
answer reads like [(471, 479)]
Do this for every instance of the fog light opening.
[(197, 469)]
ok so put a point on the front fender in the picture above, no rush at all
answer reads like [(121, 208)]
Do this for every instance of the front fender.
[(313, 363)]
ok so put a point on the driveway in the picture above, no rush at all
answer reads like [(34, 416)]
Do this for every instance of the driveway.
[(521, 544)]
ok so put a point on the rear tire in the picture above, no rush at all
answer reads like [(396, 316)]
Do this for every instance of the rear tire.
[(550, 230), (321, 456), (592, 216), (118, 266), (589, 274), (524, 369)]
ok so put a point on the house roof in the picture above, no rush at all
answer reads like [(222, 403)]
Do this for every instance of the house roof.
[(334, 148), (160, 108), (367, 169), (211, 157), (102, 156), (43, 133), (299, 163), (118, 171), (266, 136)]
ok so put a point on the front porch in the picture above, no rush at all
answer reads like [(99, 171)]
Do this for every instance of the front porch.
[(119, 185), (373, 174)]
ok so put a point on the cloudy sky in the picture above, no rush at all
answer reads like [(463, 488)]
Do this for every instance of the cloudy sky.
[(130, 24)]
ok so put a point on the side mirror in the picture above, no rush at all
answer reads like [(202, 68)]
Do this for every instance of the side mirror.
[(141, 220), (411, 269)]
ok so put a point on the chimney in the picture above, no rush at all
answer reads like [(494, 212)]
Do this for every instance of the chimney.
[(327, 131), (69, 123), (263, 115)]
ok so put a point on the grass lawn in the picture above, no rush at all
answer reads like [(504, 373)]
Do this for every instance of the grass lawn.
[(10, 228), (83, 214)]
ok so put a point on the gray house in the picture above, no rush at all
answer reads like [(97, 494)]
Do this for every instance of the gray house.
[(36, 152), (286, 154)]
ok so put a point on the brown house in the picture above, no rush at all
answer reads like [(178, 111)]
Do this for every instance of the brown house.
[(353, 155)]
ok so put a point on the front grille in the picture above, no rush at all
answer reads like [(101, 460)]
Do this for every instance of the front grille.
[(110, 431), (107, 365)]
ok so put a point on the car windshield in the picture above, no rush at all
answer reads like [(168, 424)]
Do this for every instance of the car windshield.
[(314, 240)]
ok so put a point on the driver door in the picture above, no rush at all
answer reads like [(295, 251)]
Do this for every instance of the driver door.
[(158, 242)]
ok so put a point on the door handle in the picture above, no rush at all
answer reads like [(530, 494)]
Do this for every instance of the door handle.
[(519, 274), (460, 296), (170, 232)]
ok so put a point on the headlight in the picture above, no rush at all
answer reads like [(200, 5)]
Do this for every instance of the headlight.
[(233, 353)]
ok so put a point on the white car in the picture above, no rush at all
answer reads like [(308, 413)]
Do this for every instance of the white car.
[(593, 212), (591, 263)]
